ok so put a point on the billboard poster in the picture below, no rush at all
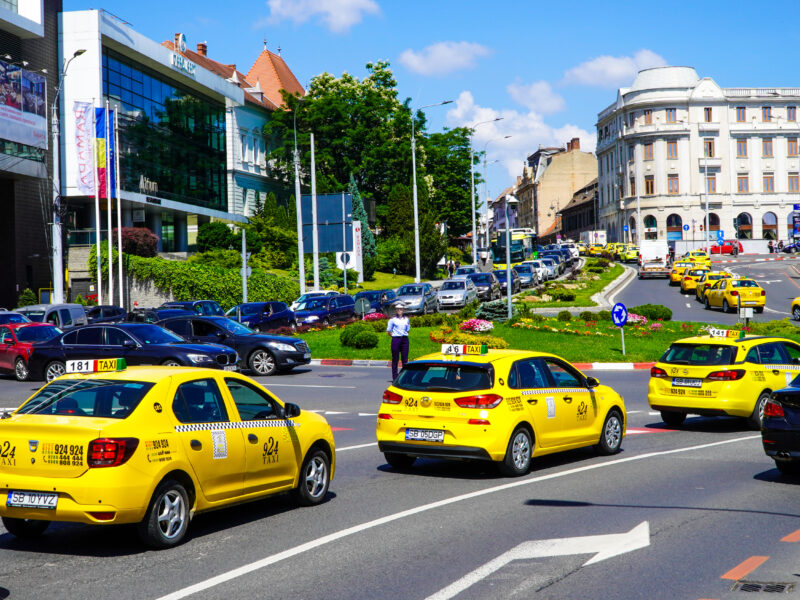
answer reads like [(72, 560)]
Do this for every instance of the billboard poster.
[(796, 224), (23, 106), (84, 146)]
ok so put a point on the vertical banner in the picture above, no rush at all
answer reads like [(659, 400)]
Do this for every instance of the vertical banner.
[(84, 146), (100, 152), (358, 250)]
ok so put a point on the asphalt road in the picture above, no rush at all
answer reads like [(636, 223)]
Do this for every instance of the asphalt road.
[(698, 506)]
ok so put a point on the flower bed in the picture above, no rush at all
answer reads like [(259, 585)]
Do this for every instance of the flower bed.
[(374, 317), (476, 325)]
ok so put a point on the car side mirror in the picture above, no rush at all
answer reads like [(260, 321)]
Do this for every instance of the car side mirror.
[(10, 341), (220, 334), (291, 410), (128, 344), (592, 382)]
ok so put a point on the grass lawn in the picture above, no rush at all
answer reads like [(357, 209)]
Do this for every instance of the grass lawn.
[(382, 281), (584, 297)]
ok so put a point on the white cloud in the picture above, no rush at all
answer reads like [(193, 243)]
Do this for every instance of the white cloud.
[(338, 15), (538, 96), (442, 58), (613, 71), (527, 130)]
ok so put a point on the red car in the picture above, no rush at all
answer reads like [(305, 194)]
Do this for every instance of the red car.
[(16, 345), (728, 247)]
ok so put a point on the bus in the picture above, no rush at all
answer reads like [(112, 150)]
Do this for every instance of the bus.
[(524, 246)]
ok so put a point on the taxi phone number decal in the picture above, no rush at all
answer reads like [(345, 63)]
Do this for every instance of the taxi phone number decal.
[(158, 450), (65, 455)]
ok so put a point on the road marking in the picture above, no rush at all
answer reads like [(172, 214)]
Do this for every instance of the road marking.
[(336, 387), (367, 414), (653, 413), (334, 412), (343, 533), (688, 305), (634, 412), (746, 567), (640, 430), (602, 546), (792, 537), (346, 448)]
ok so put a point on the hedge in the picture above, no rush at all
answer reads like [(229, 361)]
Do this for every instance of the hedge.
[(654, 312)]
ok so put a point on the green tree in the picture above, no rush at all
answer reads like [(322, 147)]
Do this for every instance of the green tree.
[(215, 235), (26, 297)]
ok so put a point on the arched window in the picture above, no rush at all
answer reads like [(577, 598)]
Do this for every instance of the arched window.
[(713, 222), (769, 226), (674, 227), (650, 228), (744, 226)]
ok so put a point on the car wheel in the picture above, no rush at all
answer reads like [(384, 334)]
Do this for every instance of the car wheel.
[(424, 309), (293, 325), (754, 420), (326, 322), (759, 309), (788, 467), (53, 370), (21, 370), (707, 304), (399, 461), (796, 313), (725, 306), (171, 362), (25, 528), (518, 454), (315, 477), (673, 419), (792, 250), (262, 362), (167, 517), (611, 435)]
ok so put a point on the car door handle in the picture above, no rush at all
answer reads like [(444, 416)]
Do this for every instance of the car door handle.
[(776, 372), (568, 399), (532, 401), (196, 445), (252, 438)]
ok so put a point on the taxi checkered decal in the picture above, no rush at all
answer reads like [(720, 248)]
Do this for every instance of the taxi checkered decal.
[(783, 367), (551, 391), (236, 425)]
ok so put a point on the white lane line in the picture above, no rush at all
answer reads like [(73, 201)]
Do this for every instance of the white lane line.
[(634, 412), (367, 414), (688, 305), (336, 387), (653, 413), (343, 533), (334, 412), (346, 448)]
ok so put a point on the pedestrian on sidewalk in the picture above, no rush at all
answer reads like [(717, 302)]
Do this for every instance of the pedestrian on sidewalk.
[(398, 328), (771, 247)]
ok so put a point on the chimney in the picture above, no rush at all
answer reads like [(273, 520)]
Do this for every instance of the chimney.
[(202, 48), (574, 144)]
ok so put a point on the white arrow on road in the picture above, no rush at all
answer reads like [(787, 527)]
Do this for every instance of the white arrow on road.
[(602, 546)]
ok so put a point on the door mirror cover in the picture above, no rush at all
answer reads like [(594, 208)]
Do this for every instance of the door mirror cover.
[(291, 410), (128, 344), (592, 382)]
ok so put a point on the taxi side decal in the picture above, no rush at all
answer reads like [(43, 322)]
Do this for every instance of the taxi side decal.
[(235, 425)]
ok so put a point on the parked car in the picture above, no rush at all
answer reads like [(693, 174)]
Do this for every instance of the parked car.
[(137, 343), (16, 346), (516, 284), (456, 293), (557, 256), (151, 315), (486, 285), (462, 272), (8, 317), (105, 314), (264, 354), (733, 247), (539, 268), (551, 264), (380, 301), (63, 316), (573, 249), (527, 275), (792, 247), (198, 307), (263, 316), (312, 294), (325, 310), (418, 298)]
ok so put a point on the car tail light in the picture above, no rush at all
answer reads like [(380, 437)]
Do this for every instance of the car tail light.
[(480, 401), (103, 516), (726, 375), (391, 397), (734, 293), (110, 452), (384, 416), (657, 372), (763, 292), (479, 422), (773, 409)]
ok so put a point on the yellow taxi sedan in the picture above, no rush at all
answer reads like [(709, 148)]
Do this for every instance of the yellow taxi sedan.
[(691, 277), (583, 248), (678, 269), (596, 249), (154, 446), (504, 406), (699, 257), (729, 294), (721, 374), (796, 309), (707, 280)]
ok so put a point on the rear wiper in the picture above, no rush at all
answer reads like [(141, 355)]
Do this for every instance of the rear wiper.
[(679, 362), (441, 388)]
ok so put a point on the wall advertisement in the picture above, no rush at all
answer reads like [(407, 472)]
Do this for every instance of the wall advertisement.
[(23, 106)]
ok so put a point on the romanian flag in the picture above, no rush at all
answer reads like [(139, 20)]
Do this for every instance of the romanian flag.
[(104, 146)]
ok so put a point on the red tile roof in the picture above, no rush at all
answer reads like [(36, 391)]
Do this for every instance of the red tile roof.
[(274, 75)]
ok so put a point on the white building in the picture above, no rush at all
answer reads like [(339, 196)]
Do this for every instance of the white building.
[(672, 136)]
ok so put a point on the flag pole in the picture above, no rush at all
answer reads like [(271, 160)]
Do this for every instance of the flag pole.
[(119, 207), (109, 206), (97, 231)]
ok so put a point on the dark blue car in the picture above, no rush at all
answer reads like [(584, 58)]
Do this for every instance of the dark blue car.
[(380, 301), (151, 315), (137, 343), (263, 316), (198, 307), (325, 310)]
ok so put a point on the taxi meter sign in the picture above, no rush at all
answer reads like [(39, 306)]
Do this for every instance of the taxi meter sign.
[(100, 365), (463, 349), (725, 333)]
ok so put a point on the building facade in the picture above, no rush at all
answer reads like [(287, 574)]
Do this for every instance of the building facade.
[(674, 141), (579, 214)]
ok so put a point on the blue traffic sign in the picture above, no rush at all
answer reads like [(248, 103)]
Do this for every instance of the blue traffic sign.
[(796, 206), (619, 314), (720, 242), (720, 234), (624, 228), (686, 227)]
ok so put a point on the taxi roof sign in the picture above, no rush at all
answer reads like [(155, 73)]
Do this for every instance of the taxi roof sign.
[(99, 365), (463, 349), (725, 333)]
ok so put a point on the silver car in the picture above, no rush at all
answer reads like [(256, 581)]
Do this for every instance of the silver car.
[(418, 298), (541, 270), (552, 267), (457, 293)]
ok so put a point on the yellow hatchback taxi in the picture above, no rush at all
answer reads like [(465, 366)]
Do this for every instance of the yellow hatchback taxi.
[(796, 309), (691, 277), (699, 257), (596, 249), (582, 247), (721, 374), (707, 280), (629, 254), (729, 294), (678, 269), (505, 406), (154, 446)]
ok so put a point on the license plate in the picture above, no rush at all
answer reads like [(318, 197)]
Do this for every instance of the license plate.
[(307, 355), (229, 368), (687, 382), (749, 302), (425, 435), (32, 499)]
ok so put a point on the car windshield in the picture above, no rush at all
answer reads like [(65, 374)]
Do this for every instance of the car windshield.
[(37, 334), (454, 285), (432, 377), (11, 317), (34, 315), (410, 290), (236, 327), (312, 304), (523, 269), (87, 398), (483, 278), (699, 354), (371, 296), (153, 334), (742, 283), (246, 310)]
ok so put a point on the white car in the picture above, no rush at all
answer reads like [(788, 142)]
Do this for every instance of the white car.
[(462, 272), (312, 294), (456, 293)]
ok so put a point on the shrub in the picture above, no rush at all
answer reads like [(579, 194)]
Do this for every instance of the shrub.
[(224, 259), (602, 262), (365, 339), (496, 310), (139, 241), (596, 270), (80, 300), (26, 297), (215, 235), (375, 317), (431, 320), (564, 316), (653, 312), (563, 295), (603, 315), (468, 312), (537, 318), (377, 326), (587, 315), (351, 332), (476, 325)]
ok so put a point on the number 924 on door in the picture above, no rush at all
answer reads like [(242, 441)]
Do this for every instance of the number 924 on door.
[(505, 406)]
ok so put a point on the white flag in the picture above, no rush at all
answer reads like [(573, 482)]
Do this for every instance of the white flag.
[(84, 146)]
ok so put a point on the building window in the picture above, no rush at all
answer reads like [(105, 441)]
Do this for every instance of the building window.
[(631, 118), (672, 149), (648, 151), (670, 115), (794, 182), (708, 148), (243, 140), (769, 183), (791, 146), (630, 153), (741, 148), (707, 113), (711, 184), (633, 186), (741, 114), (648, 116), (766, 114), (743, 184), (766, 147), (649, 185), (672, 184), (791, 113)]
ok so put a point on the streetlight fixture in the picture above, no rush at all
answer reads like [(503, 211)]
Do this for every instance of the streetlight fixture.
[(418, 277), (509, 287), (472, 189), (58, 260)]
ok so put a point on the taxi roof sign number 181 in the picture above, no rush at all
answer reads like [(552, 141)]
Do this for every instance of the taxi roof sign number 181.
[(99, 365)]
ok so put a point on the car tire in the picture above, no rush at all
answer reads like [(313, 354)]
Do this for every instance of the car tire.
[(673, 419), (759, 309), (25, 529), (167, 518), (293, 325), (725, 306), (796, 313), (787, 467), (315, 477), (754, 420), (54, 369), (611, 434), (326, 322), (706, 303), (399, 461), (424, 309), (262, 362), (517, 460), (21, 371), (171, 362), (792, 250)]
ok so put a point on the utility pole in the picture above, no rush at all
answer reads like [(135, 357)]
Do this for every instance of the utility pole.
[(245, 274), (314, 229), (301, 256)]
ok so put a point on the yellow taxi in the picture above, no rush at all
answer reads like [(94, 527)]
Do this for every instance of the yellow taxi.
[(691, 277), (729, 294), (678, 269), (629, 254), (613, 247), (505, 406), (596, 249), (721, 373), (154, 446), (796, 309), (583, 248), (706, 280), (699, 257)]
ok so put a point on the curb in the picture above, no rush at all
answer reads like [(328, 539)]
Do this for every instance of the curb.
[(753, 260), (613, 366), (597, 366)]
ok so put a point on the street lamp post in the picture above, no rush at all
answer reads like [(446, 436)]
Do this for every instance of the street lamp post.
[(472, 188), (418, 276), (301, 257), (509, 287), (58, 261)]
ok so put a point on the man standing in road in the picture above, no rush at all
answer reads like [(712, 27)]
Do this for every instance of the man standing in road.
[(398, 328)]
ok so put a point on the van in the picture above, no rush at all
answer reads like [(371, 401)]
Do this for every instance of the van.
[(63, 316)]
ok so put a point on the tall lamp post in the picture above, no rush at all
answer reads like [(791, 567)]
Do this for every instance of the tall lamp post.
[(301, 257), (472, 180), (418, 277), (509, 287), (58, 261)]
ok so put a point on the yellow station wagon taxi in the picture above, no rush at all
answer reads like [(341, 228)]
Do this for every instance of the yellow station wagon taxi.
[(729, 294), (707, 280), (678, 269), (596, 249), (154, 446), (699, 257), (721, 374), (691, 277), (505, 406)]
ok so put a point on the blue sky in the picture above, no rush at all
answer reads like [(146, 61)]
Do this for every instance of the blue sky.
[(546, 68)]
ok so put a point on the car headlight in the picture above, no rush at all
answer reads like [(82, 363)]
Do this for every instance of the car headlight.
[(199, 358), (282, 347), (312, 318)]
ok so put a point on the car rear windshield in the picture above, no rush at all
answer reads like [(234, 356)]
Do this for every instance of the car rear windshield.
[(34, 315), (410, 290), (11, 317), (454, 285), (438, 377), (153, 334), (523, 269), (37, 334), (482, 278), (87, 398), (743, 283), (699, 354)]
